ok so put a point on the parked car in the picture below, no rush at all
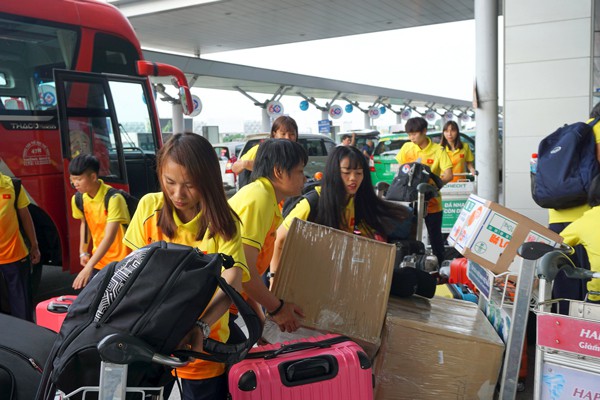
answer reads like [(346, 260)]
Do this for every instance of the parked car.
[(228, 153), (317, 146), (383, 164)]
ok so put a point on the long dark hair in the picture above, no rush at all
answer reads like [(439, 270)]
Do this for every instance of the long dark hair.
[(368, 208), (444, 142), (197, 156)]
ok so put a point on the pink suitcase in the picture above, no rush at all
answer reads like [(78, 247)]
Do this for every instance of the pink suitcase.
[(329, 367), (52, 312)]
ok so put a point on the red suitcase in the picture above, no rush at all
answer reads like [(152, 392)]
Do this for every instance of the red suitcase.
[(52, 312), (329, 367)]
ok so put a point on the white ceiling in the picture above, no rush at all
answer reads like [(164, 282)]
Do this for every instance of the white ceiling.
[(192, 29), (183, 26)]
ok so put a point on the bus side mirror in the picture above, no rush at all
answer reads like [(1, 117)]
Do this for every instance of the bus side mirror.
[(148, 68)]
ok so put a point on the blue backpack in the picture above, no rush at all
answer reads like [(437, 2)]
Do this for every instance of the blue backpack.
[(566, 165)]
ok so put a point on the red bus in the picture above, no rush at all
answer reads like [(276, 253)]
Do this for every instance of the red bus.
[(71, 81)]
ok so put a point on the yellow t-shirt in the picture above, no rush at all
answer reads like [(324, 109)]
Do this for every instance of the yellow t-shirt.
[(257, 207), (584, 231), (460, 158), (571, 214), (250, 154), (12, 245), (144, 230), (434, 157), (302, 211), (96, 218)]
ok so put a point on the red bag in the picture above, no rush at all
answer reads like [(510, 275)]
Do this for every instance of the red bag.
[(329, 367), (52, 312)]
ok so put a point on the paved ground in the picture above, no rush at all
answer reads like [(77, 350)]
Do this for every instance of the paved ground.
[(56, 283)]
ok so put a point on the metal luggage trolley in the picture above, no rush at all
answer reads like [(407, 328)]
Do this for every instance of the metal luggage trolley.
[(567, 362), (117, 351)]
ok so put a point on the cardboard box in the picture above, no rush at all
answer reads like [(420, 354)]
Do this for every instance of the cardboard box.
[(437, 349), (341, 280), (489, 234)]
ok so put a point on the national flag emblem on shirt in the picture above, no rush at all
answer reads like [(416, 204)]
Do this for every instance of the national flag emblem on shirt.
[(430, 161), (6, 196), (462, 156)]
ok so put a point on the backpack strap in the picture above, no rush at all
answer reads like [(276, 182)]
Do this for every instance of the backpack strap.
[(234, 352), (17, 186), (313, 201), (109, 193), (594, 122), (79, 205)]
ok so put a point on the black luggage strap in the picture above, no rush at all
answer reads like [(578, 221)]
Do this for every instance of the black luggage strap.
[(298, 346), (234, 352)]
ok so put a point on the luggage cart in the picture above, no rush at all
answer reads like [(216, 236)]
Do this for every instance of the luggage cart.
[(117, 351), (567, 359)]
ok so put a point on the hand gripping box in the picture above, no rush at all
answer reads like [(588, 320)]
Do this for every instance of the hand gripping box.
[(341, 281), (437, 349), (489, 234)]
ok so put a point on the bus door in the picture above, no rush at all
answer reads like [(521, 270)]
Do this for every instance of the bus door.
[(109, 116)]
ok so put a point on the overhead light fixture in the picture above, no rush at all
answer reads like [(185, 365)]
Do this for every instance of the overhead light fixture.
[(154, 7)]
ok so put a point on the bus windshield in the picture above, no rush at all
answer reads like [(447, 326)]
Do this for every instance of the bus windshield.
[(28, 54)]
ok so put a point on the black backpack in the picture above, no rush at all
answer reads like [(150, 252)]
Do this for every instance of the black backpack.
[(566, 165), (155, 294), (309, 193), (410, 175), (131, 201)]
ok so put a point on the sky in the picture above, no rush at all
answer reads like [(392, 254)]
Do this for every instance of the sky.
[(436, 59)]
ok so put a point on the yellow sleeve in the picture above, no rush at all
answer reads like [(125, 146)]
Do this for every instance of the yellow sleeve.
[(234, 248), (401, 156), (468, 153), (445, 161), (134, 236), (117, 210), (255, 224), (570, 235), (23, 200), (76, 212), (301, 211), (250, 154)]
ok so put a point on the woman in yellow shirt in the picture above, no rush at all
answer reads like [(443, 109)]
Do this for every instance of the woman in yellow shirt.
[(459, 152), (192, 209), (347, 202), (584, 231)]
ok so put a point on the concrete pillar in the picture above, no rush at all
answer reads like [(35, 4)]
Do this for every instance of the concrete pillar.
[(367, 120), (486, 80), (266, 121), (399, 118), (177, 117)]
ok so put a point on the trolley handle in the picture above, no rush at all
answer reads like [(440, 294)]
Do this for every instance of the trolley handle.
[(535, 250), (119, 348), (551, 263)]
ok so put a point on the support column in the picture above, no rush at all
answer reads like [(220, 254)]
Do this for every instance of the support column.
[(266, 121), (486, 85), (367, 120), (177, 118)]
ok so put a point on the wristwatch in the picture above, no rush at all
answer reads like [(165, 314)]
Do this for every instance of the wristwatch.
[(204, 327)]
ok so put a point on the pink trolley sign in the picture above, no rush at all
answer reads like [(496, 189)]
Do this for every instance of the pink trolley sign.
[(570, 334)]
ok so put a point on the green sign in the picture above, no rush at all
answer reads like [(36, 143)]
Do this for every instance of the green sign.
[(452, 209)]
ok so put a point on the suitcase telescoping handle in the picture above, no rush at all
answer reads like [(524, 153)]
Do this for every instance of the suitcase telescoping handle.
[(298, 346)]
